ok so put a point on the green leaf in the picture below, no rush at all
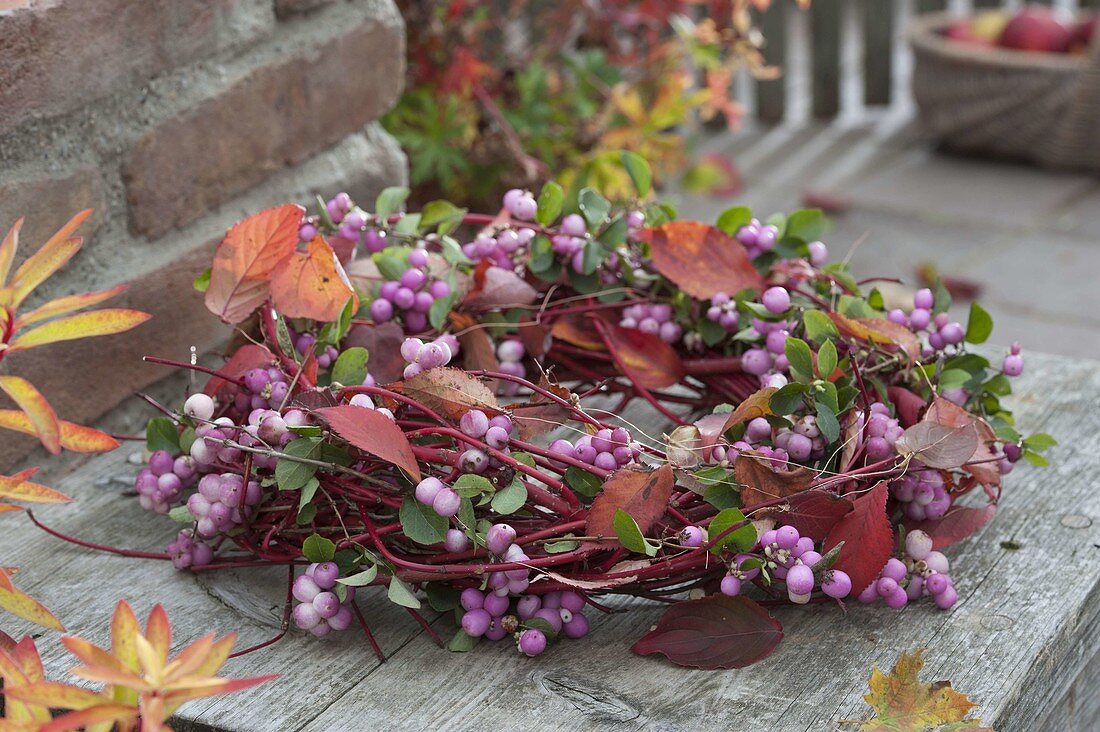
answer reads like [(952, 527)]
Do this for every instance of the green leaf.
[(732, 219), (309, 490), (187, 439), (582, 481), (390, 200), (360, 579), (306, 514), (788, 399), (550, 201), (819, 326), (511, 498), (202, 282), (1040, 441), (722, 496), (470, 485), (1036, 459), (317, 548), (282, 337), (420, 523), (594, 207), (440, 309), (953, 378), (442, 597), (979, 326), (461, 642), (161, 434), (541, 624), (291, 475), (443, 216), (826, 359), (614, 235), (409, 224), (638, 170), (560, 547), (400, 594), (808, 224), (181, 514), (827, 423), (801, 358), (742, 539), (630, 536), (941, 299), (351, 366), (541, 256)]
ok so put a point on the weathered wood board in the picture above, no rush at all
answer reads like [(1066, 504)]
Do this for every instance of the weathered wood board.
[(1020, 639)]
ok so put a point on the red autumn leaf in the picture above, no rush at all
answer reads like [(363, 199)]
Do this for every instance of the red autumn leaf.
[(644, 495), (908, 405), (701, 259), (450, 392), (578, 331), (536, 337), (240, 278), (383, 343), (758, 404), (759, 483), (982, 464), (713, 632), (868, 538), (373, 433), (478, 351), (246, 358), (830, 203), (958, 523), (880, 332), (497, 288), (814, 513), (311, 284), (644, 358)]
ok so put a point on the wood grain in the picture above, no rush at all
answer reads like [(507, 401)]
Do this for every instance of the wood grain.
[(1020, 641)]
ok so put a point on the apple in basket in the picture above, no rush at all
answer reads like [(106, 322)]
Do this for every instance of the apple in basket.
[(1084, 33), (1038, 28)]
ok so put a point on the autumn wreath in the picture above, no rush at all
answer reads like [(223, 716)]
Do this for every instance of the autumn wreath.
[(435, 405)]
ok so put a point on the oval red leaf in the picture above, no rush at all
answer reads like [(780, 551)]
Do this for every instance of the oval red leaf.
[(814, 513), (373, 433), (868, 538), (713, 632), (701, 259), (643, 495), (958, 523)]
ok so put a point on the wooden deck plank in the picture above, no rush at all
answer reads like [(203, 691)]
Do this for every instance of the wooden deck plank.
[(1024, 629)]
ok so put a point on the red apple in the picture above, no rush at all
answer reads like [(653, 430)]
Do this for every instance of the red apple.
[(1037, 28), (962, 32)]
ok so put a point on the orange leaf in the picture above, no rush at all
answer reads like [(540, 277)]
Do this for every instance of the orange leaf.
[(38, 410), (451, 392), (311, 284), (55, 695), (7, 507), (22, 605), (240, 279), (74, 437), (18, 488), (67, 304), (880, 332), (644, 358), (7, 250), (758, 404), (644, 495), (577, 331), (759, 483), (92, 655), (82, 325), (119, 713), (158, 631), (701, 259), (51, 257)]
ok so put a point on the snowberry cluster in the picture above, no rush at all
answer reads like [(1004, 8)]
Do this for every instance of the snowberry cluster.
[(607, 449), (635, 222), (304, 344), (187, 551), (222, 502), (655, 319), (1013, 364), (421, 356), (160, 483), (500, 248), (921, 492), (485, 615), (758, 238), (412, 294), (921, 572), (263, 389), (510, 353), (771, 359), (495, 432), (570, 241), (881, 432), (319, 609), (803, 441), (723, 310), (789, 557), (942, 331)]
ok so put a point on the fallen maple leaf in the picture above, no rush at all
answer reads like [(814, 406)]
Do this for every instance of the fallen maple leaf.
[(902, 702)]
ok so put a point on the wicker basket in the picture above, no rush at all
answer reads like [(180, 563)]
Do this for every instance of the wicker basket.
[(1041, 107)]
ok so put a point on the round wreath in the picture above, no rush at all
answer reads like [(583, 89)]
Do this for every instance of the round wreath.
[(817, 448)]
